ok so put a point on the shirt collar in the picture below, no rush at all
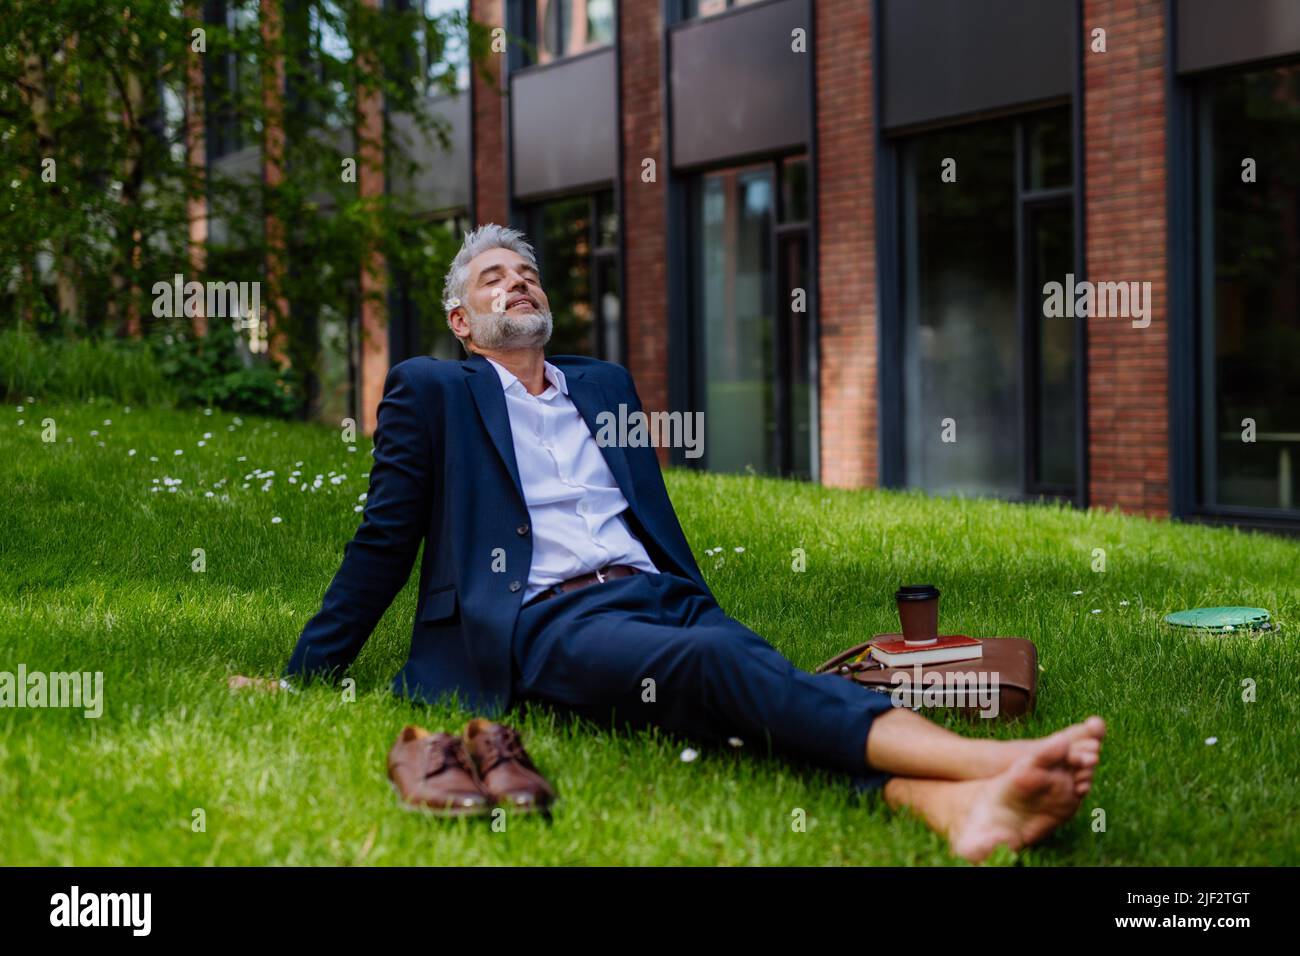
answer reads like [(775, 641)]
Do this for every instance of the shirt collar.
[(552, 374)]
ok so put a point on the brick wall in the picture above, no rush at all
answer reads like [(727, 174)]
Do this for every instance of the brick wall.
[(1124, 163), (645, 297), (846, 257), (491, 199)]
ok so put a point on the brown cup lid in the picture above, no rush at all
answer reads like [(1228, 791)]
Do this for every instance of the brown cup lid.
[(916, 592)]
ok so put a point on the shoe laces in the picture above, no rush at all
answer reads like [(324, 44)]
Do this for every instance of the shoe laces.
[(441, 751), (498, 745)]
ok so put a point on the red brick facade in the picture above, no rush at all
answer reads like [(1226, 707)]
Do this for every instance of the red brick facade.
[(644, 225), (1125, 216), (491, 196), (1125, 170), (846, 254)]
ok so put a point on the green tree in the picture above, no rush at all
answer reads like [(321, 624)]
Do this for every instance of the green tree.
[(93, 114)]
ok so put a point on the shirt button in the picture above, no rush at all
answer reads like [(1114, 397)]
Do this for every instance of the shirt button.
[(515, 586), (521, 530)]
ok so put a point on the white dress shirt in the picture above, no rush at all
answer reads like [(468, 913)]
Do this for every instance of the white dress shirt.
[(574, 504)]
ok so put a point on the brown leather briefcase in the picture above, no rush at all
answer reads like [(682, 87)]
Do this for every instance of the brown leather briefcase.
[(1002, 683)]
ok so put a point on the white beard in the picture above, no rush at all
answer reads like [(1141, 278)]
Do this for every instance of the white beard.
[(499, 331)]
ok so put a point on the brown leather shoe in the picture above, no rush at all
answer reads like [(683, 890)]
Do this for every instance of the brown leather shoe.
[(504, 766), (435, 772)]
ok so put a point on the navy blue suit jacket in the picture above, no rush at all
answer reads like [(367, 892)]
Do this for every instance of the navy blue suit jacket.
[(444, 473)]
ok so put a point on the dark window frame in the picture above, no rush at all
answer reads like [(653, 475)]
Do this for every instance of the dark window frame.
[(684, 14), (781, 230), (891, 213), (1188, 346), (523, 13), (601, 254)]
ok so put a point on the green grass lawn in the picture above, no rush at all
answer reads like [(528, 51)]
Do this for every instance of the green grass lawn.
[(96, 575)]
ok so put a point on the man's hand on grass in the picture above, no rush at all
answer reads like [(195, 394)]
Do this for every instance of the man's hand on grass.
[(271, 685)]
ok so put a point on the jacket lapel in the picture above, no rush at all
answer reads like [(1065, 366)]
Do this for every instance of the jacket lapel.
[(485, 386), (591, 399)]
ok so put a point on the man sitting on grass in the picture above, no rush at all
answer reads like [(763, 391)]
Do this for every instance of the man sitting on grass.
[(555, 570)]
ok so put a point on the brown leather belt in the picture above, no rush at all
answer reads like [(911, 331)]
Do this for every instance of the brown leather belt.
[(582, 581)]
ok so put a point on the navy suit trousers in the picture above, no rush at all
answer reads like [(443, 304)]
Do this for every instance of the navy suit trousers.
[(592, 651)]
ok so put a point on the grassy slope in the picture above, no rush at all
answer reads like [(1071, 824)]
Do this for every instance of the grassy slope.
[(95, 574)]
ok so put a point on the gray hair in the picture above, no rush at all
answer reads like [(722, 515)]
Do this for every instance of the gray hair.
[(485, 237)]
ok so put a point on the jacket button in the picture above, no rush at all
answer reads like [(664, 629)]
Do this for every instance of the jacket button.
[(521, 530), (515, 585)]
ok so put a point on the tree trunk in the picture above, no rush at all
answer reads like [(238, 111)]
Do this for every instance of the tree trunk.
[(37, 95)]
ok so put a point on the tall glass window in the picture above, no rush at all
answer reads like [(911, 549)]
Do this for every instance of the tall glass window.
[(706, 8), (753, 321), (576, 239), (232, 79), (988, 380), (442, 52), (1249, 291), (562, 28)]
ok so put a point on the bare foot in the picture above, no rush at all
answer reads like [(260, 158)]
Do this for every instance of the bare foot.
[(1027, 801), (1084, 737)]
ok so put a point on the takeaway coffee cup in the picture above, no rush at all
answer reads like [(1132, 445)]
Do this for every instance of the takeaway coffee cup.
[(918, 611)]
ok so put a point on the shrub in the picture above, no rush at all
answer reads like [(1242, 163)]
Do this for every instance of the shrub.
[(216, 370), (169, 368), (124, 370)]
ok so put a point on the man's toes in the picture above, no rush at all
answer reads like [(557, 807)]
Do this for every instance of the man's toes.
[(1081, 787), (1084, 757), (1095, 726)]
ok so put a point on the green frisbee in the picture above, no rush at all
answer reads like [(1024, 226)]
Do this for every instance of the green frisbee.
[(1221, 618)]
